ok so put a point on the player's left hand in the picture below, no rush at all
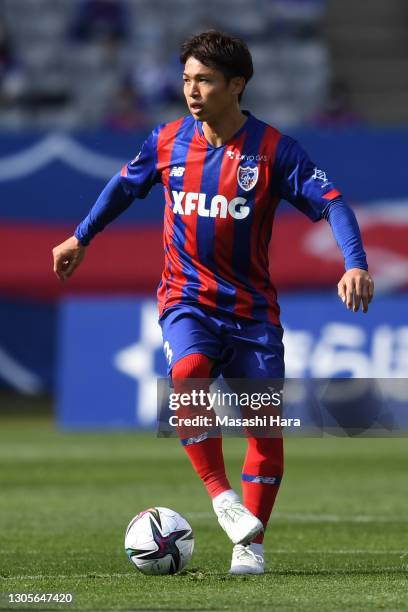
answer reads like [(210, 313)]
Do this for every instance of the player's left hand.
[(356, 287)]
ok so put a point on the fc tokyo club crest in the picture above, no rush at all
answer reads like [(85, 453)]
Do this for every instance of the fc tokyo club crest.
[(247, 177)]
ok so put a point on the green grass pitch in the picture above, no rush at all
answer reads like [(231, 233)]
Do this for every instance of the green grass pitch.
[(337, 541)]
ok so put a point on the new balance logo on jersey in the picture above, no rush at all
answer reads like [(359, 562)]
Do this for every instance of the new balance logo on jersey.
[(186, 203), (177, 171)]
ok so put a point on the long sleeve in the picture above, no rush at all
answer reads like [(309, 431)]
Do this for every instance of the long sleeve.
[(112, 201), (345, 229), (134, 181), (307, 188)]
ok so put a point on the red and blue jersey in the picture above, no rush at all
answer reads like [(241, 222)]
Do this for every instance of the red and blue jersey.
[(220, 204)]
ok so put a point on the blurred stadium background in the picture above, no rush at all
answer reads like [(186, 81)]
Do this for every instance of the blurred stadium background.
[(81, 84)]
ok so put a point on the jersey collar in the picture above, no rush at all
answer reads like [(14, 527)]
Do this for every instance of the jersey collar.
[(202, 139)]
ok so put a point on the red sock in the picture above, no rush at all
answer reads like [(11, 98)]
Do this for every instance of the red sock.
[(206, 455), (261, 476), (207, 459)]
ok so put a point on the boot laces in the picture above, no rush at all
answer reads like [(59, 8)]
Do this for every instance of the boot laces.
[(243, 552), (232, 512)]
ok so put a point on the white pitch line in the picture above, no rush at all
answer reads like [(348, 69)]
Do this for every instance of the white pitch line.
[(317, 518), (308, 551), (285, 551), (65, 576), (351, 551), (278, 551)]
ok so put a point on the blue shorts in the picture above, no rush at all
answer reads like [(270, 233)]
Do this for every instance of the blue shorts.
[(241, 348)]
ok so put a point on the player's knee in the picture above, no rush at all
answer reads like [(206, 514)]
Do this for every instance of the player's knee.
[(192, 366)]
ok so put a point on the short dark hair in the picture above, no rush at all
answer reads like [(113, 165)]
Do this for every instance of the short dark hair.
[(228, 54)]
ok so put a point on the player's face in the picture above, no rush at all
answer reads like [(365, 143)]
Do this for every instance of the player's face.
[(207, 92)]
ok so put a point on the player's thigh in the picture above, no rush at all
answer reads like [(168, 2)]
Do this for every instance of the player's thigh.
[(184, 333), (257, 369), (258, 352)]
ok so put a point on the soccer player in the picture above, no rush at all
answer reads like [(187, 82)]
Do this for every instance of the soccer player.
[(224, 172)]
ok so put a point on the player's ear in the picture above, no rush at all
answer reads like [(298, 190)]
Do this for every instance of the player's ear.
[(237, 85)]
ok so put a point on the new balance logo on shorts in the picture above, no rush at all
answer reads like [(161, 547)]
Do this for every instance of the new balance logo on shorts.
[(168, 352)]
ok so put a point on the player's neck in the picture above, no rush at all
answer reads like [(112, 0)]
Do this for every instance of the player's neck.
[(220, 129)]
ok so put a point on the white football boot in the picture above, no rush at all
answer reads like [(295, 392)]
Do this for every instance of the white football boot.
[(247, 560), (240, 525)]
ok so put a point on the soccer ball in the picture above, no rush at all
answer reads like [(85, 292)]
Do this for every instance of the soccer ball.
[(159, 541)]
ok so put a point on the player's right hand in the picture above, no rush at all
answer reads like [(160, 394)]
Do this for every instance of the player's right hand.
[(67, 257)]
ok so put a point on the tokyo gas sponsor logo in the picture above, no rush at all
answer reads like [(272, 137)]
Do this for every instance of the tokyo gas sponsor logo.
[(246, 157), (218, 206)]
